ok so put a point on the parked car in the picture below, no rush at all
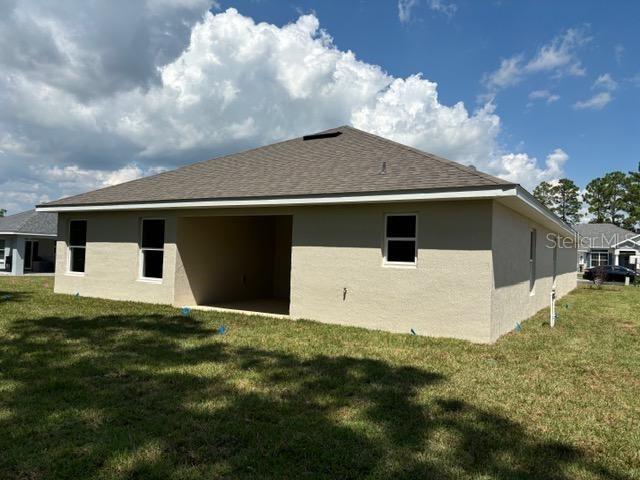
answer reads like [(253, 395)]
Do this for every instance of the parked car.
[(610, 273)]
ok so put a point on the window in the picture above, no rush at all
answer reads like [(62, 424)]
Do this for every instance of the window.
[(532, 261), (77, 245), (599, 258), (2, 247), (400, 245), (151, 249)]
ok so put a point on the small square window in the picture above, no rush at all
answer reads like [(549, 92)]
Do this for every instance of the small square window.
[(400, 239), (77, 260), (152, 263), (153, 234)]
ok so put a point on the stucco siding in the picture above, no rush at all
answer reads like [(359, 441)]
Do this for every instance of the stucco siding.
[(512, 299), (446, 294), (112, 258)]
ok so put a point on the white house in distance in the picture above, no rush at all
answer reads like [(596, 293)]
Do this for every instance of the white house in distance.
[(28, 243), (607, 244), (340, 227)]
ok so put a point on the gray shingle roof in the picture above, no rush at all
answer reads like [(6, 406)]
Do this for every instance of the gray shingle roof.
[(30, 222), (601, 235), (350, 161)]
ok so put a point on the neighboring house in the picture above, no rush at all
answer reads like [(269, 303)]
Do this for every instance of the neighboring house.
[(607, 244), (340, 227), (28, 242)]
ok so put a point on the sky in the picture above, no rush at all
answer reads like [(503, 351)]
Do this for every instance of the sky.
[(94, 93)]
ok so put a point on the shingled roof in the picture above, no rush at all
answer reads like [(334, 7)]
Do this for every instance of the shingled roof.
[(602, 235), (342, 160), (30, 222)]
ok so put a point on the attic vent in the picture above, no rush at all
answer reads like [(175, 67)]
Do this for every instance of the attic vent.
[(318, 136), (473, 167)]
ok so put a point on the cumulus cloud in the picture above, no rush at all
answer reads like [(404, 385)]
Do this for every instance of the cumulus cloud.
[(405, 8), (230, 84), (520, 167), (558, 57)]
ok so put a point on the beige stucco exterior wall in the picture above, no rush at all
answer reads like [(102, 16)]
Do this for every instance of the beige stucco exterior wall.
[(446, 294), (470, 281), (511, 298), (112, 258)]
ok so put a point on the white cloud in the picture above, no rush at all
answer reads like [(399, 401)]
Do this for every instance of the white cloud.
[(235, 84), (405, 8), (559, 57), (618, 52), (544, 95), (520, 167), (596, 102), (605, 82)]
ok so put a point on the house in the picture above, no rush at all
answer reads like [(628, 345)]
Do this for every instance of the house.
[(607, 244), (28, 243), (340, 227)]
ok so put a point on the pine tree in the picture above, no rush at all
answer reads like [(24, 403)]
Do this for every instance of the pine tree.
[(567, 200), (562, 198), (544, 195), (605, 197)]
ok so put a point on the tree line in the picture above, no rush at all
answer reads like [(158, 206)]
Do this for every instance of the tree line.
[(612, 198)]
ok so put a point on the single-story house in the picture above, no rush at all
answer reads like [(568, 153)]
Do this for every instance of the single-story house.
[(607, 244), (340, 227), (28, 243)]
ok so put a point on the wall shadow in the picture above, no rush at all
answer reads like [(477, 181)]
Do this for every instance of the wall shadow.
[(159, 397)]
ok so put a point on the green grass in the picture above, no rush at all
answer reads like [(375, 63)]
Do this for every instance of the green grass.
[(99, 389)]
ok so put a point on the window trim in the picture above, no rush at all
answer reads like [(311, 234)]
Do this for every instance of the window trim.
[(599, 253), (141, 250), (3, 256), (533, 254), (386, 240), (70, 248)]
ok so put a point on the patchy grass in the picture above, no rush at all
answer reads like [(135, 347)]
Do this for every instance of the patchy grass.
[(99, 389)]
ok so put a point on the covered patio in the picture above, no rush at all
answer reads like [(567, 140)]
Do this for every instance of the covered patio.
[(235, 262)]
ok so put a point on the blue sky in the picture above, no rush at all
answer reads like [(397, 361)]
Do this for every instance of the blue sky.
[(97, 93)]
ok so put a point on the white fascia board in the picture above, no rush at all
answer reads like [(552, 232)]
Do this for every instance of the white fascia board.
[(26, 234), (293, 201), (471, 194), (534, 204)]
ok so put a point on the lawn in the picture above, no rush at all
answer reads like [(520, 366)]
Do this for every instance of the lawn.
[(99, 389)]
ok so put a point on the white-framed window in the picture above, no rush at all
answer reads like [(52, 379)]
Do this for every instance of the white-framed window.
[(532, 260), (77, 246), (2, 253), (599, 258), (401, 239), (151, 248)]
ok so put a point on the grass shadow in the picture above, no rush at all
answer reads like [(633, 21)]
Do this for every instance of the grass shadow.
[(131, 396)]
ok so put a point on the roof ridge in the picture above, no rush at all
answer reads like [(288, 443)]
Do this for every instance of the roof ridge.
[(432, 156)]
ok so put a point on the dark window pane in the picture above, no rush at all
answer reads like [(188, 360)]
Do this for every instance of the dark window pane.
[(78, 233), (152, 263), (77, 260), (153, 234), (401, 226), (401, 251)]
